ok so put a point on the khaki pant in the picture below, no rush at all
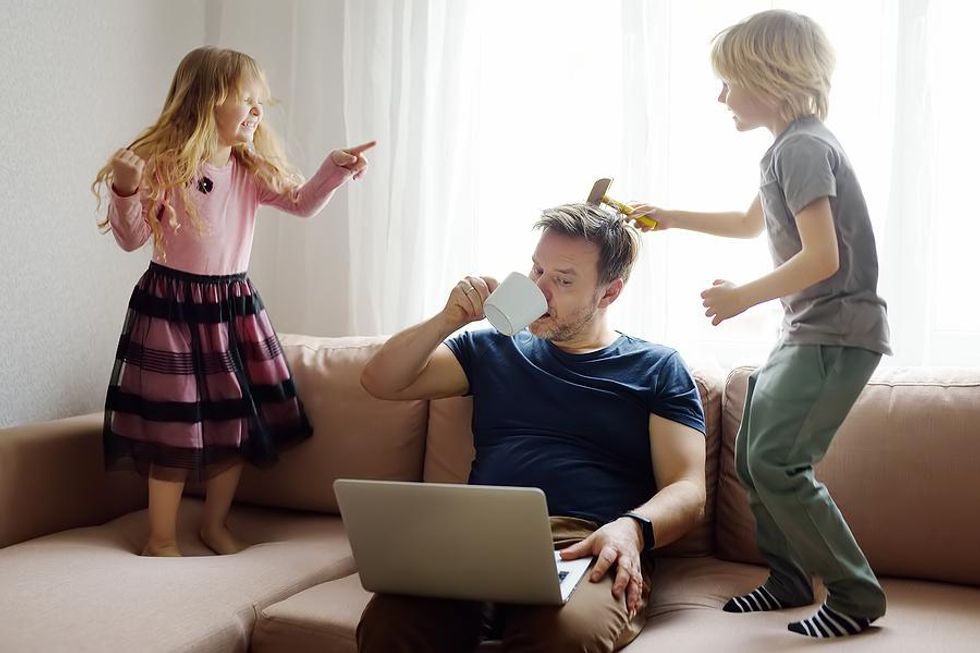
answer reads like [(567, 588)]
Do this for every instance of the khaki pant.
[(793, 408), (592, 620)]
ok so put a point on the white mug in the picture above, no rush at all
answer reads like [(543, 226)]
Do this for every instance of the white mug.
[(515, 303)]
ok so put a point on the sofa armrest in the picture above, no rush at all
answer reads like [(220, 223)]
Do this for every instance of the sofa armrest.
[(52, 478)]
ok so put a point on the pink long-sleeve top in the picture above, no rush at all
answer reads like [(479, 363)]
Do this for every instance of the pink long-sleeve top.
[(228, 211)]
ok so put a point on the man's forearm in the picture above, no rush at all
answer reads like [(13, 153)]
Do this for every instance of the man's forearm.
[(674, 510), (404, 356)]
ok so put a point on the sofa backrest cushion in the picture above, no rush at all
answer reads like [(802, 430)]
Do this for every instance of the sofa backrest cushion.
[(903, 470), (52, 478), (449, 454), (354, 434)]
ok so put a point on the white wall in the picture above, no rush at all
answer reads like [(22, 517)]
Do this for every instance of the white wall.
[(77, 80)]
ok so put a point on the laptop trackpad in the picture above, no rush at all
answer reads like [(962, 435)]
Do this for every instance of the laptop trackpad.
[(570, 572)]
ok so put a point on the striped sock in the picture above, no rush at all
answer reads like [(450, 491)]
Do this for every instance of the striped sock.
[(829, 623), (758, 600)]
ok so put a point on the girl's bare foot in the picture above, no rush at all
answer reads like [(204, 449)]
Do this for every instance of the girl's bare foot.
[(221, 540), (161, 549)]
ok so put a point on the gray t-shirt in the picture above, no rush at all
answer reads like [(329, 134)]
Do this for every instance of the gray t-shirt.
[(804, 164)]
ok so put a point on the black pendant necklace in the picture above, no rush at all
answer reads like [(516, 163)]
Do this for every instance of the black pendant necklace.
[(205, 185)]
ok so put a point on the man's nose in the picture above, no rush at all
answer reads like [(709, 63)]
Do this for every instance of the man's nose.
[(544, 288)]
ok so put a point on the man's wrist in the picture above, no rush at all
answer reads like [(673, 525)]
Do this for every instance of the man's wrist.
[(636, 529), (446, 325), (645, 529)]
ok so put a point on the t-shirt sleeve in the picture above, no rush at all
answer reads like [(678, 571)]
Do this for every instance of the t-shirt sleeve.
[(463, 346), (675, 395), (805, 171)]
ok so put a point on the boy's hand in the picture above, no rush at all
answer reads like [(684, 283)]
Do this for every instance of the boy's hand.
[(352, 158), (723, 300), (127, 172), (655, 213)]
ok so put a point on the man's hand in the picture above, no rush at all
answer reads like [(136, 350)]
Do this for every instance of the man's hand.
[(723, 300), (618, 542), (127, 172), (352, 158), (465, 302)]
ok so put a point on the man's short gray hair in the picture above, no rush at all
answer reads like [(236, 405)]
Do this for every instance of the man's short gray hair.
[(618, 242)]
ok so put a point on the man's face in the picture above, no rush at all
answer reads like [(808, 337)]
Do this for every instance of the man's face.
[(566, 271)]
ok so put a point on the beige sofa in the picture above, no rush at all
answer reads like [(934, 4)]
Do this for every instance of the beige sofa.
[(903, 469)]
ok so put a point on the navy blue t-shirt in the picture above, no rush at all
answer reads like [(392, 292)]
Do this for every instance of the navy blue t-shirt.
[(574, 425)]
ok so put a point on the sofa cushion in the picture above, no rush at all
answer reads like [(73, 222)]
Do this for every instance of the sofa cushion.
[(685, 615), (449, 454), (902, 469), (320, 619), (87, 590), (354, 434)]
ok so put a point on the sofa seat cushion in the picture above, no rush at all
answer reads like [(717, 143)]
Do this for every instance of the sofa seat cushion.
[(322, 619), (685, 614), (86, 589)]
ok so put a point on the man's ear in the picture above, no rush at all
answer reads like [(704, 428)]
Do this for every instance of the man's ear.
[(613, 288)]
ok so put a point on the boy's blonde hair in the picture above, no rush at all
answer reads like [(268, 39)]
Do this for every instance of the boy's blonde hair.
[(781, 55), (185, 136)]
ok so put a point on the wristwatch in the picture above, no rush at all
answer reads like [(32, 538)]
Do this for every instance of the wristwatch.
[(646, 527)]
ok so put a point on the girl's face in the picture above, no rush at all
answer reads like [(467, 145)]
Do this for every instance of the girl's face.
[(239, 115), (748, 109)]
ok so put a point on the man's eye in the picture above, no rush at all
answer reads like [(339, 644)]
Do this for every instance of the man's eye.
[(564, 282)]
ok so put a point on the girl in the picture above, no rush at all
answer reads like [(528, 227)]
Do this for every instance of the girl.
[(200, 384), (775, 69)]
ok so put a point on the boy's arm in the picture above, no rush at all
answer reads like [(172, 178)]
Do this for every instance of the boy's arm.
[(817, 260), (731, 224)]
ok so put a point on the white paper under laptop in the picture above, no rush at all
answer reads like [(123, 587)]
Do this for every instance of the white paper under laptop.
[(472, 542)]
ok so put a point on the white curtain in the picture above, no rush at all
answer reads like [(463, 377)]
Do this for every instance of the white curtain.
[(487, 112)]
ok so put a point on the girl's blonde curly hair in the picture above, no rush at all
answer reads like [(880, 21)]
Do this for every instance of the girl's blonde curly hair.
[(185, 136)]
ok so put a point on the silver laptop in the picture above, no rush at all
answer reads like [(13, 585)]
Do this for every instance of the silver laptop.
[(472, 542)]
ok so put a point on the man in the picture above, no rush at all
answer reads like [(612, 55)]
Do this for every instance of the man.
[(605, 424)]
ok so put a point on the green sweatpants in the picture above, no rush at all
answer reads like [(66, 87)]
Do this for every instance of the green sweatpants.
[(793, 408)]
